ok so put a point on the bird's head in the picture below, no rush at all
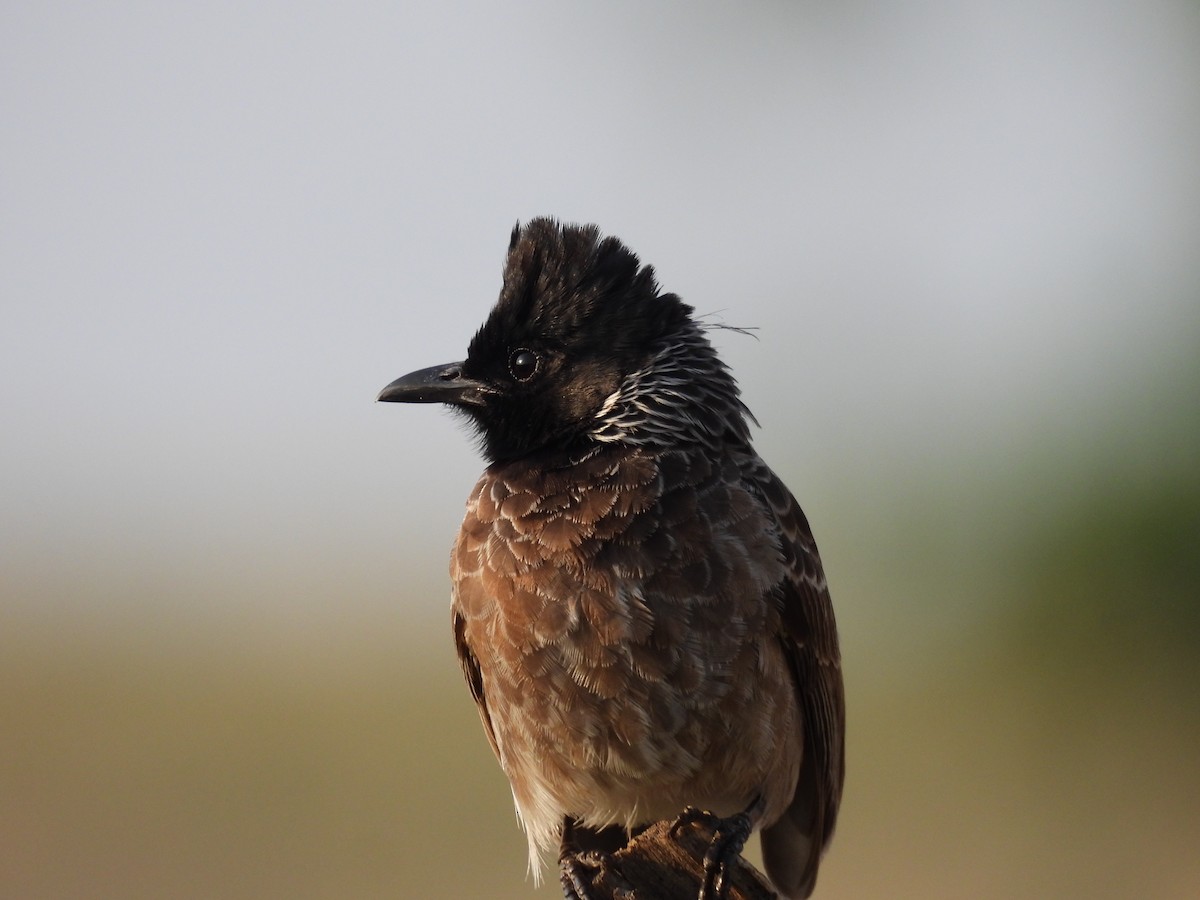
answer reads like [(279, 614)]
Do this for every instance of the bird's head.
[(582, 348)]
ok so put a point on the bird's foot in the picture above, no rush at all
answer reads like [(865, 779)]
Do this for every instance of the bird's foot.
[(577, 871), (729, 837)]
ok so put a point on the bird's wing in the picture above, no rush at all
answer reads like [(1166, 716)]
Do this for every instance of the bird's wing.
[(470, 667), (792, 846)]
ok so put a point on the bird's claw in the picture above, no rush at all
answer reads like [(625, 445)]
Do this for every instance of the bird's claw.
[(576, 871), (729, 837)]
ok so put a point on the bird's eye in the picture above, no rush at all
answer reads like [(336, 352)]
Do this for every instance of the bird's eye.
[(523, 364)]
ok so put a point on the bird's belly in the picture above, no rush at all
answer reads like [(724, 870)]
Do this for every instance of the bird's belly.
[(614, 742)]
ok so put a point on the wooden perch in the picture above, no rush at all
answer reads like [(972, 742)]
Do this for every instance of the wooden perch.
[(657, 865)]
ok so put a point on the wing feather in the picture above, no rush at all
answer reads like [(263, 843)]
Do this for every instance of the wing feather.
[(470, 667), (792, 846)]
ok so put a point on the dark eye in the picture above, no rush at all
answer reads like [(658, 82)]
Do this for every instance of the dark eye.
[(523, 364)]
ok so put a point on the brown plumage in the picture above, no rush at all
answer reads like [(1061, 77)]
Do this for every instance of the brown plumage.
[(638, 603)]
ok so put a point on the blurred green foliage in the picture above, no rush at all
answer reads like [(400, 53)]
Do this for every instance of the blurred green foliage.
[(1111, 567), (1117, 576)]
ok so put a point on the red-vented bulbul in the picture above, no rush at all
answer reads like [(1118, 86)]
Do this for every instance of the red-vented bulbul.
[(638, 603)]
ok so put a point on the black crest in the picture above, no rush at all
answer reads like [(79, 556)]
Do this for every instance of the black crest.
[(567, 287)]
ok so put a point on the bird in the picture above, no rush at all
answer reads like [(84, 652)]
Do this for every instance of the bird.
[(638, 603)]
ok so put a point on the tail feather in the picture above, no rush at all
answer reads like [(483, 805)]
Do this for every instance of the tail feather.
[(791, 854)]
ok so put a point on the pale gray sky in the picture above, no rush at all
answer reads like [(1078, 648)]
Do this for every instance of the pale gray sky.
[(224, 226)]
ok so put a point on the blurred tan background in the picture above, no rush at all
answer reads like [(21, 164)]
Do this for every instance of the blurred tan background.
[(968, 236)]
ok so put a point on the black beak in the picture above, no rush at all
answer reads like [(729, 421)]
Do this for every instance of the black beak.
[(437, 384)]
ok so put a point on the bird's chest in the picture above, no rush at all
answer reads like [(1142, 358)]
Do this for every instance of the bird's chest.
[(608, 609), (551, 594)]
